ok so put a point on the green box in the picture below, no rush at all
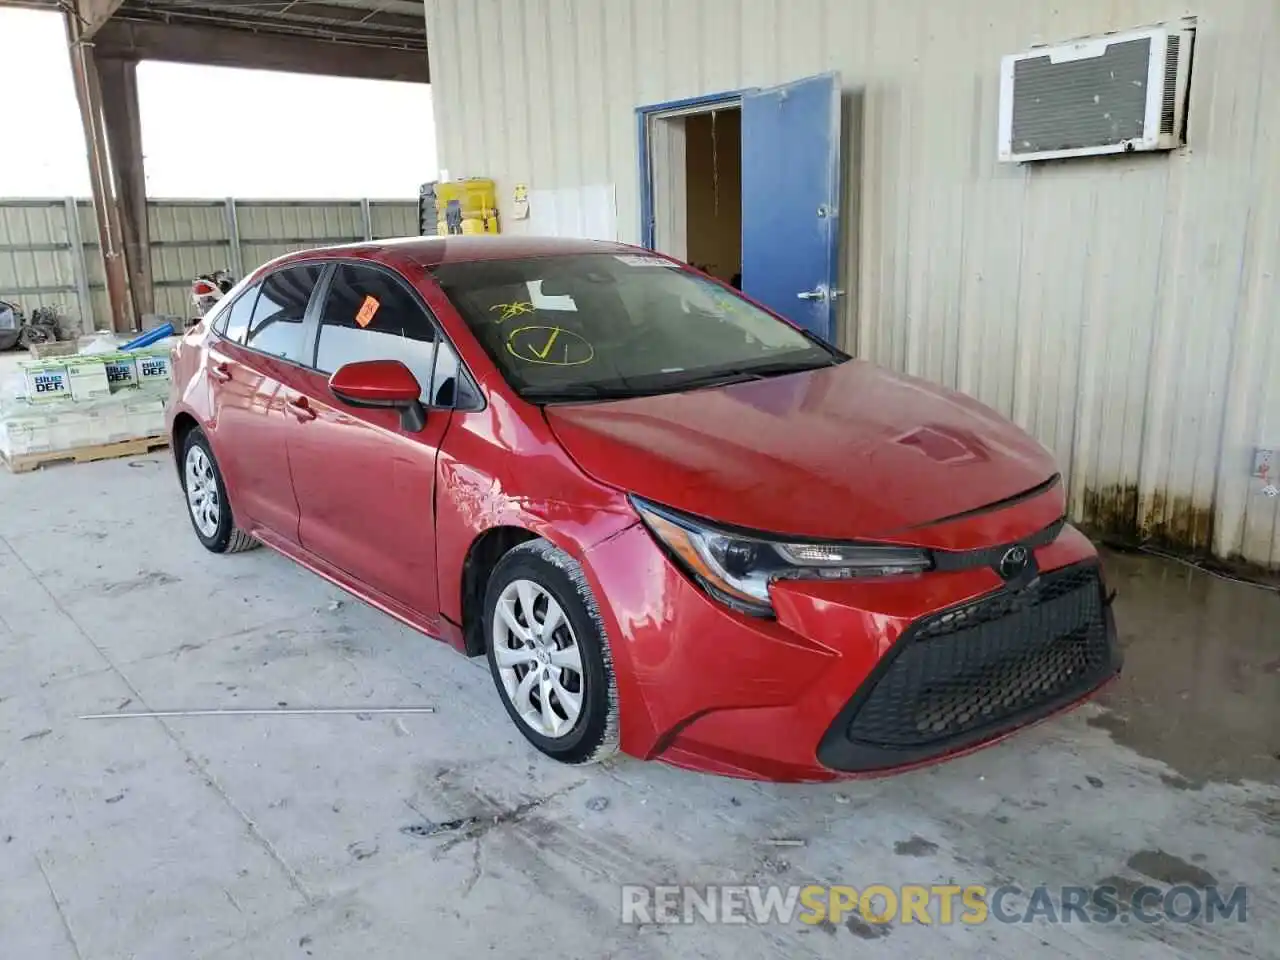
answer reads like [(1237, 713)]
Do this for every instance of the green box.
[(153, 367), (122, 371), (88, 377), (47, 380)]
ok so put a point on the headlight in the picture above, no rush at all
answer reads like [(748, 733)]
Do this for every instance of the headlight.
[(738, 568)]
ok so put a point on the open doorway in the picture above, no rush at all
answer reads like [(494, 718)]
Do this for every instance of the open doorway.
[(696, 176), (747, 184)]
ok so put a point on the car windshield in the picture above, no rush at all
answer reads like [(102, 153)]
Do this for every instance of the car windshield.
[(601, 326)]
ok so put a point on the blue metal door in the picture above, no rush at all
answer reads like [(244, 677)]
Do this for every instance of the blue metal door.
[(791, 199)]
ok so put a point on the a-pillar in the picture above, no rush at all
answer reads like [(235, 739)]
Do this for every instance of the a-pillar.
[(119, 81)]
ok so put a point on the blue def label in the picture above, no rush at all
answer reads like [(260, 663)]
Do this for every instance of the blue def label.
[(45, 383), (119, 373), (153, 367)]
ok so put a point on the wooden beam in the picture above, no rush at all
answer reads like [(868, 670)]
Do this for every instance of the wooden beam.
[(119, 82), (84, 71), (220, 47)]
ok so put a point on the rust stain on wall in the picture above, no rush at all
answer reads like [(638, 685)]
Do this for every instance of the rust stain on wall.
[(1175, 523), (1112, 511)]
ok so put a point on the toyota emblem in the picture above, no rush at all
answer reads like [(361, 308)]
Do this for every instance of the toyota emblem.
[(1013, 562)]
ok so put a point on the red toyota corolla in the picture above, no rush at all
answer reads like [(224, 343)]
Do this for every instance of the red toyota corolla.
[(673, 522)]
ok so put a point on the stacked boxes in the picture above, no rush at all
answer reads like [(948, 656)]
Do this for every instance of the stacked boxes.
[(92, 376), (86, 400), (46, 428)]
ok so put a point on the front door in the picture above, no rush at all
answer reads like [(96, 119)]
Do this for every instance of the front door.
[(791, 200), (365, 485)]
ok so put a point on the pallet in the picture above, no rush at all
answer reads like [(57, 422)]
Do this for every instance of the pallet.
[(25, 462)]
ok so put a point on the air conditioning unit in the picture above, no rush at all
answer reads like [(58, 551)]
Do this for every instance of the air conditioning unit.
[(1113, 93)]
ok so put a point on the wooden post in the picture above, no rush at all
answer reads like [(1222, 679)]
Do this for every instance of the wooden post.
[(89, 97)]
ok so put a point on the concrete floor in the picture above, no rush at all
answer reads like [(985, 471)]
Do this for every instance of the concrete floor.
[(238, 838)]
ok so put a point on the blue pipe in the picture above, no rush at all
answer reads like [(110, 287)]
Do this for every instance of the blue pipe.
[(150, 337)]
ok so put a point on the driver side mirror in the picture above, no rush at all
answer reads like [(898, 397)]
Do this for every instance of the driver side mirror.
[(381, 383)]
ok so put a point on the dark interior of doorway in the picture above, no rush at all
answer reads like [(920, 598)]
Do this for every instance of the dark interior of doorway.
[(713, 184)]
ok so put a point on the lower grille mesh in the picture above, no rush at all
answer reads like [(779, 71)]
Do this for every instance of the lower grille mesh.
[(986, 664)]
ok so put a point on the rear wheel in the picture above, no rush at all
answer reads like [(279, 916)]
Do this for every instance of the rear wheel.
[(549, 656), (207, 503)]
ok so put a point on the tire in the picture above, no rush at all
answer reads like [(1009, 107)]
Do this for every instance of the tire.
[(214, 524), (540, 569)]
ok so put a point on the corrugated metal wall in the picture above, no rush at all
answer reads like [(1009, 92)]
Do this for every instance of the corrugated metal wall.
[(1122, 309), (41, 240)]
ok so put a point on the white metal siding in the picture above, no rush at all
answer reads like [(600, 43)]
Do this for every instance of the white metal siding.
[(188, 237), (1121, 309)]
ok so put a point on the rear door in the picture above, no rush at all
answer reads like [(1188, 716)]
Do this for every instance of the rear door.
[(364, 484), (791, 200), (264, 338)]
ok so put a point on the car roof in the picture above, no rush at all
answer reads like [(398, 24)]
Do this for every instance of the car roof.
[(432, 251)]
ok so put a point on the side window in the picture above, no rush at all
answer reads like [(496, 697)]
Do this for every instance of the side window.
[(369, 315), (276, 327), (450, 384), (234, 321)]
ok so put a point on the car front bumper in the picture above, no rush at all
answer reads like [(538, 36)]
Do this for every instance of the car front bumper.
[(852, 678)]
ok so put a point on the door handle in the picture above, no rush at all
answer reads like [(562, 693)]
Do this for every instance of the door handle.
[(299, 407), (220, 372), (817, 293)]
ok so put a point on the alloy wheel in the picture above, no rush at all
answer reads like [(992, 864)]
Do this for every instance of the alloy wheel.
[(538, 659), (202, 491)]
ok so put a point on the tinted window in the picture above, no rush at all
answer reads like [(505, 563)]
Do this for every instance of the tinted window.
[(369, 315), (277, 317), (235, 320), (450, 384), (594, 326)]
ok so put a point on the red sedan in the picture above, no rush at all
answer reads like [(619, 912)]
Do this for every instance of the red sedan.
[(674, 523)]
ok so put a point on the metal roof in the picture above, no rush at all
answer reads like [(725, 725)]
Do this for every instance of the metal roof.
[(383, 23), (396, 24)]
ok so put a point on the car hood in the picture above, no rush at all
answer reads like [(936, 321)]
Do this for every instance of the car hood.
[(845, 452)]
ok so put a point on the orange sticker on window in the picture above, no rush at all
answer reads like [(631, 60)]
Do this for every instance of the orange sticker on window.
[(367, 309)]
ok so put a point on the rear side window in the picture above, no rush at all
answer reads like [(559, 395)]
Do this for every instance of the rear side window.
[(276, 327), (369, 315), (234, 322)]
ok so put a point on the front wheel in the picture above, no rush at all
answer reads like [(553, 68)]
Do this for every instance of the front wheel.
[(549, 655), (207, 503)]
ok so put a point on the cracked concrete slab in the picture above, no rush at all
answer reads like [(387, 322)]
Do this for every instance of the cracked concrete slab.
[(391, 836)]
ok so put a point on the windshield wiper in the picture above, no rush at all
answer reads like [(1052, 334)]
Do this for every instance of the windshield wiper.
[(723, 377), (579, 391), (779, 367), (760, 371)]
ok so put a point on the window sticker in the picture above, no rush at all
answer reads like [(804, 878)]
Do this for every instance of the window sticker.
[(541, 301), (550, 346), (642, 260), (364, 316)]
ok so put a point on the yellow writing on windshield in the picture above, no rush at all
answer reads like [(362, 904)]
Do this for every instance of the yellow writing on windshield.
[(551, 346), (509, 310)]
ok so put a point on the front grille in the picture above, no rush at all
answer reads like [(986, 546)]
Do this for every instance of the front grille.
[(970, 672)]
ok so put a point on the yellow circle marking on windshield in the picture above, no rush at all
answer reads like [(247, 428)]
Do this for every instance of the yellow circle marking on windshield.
[(552, 346), (510, 310)]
